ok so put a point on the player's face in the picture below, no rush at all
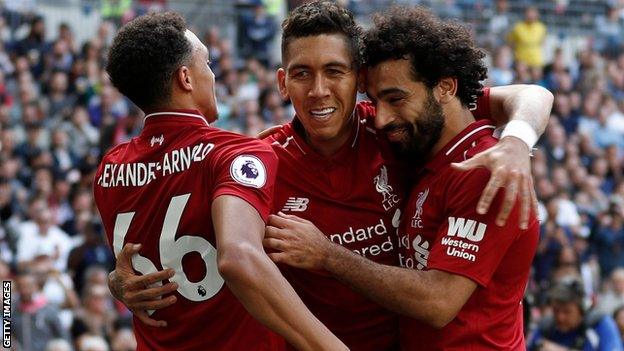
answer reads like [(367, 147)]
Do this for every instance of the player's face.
[(321, 81), (203, 79), (567, 315), (407, 112)]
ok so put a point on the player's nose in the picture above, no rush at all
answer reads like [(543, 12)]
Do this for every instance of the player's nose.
[(384, 116), (319, 87)]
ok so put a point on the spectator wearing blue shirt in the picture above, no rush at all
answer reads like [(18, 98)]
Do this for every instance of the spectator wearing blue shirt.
[(573, 325)]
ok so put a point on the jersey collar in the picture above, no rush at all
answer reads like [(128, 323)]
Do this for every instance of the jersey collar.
[(182, 117), (459, 144)]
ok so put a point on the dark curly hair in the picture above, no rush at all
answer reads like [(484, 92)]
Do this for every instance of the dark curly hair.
[(437, 49), (145, 54), (322, 17)]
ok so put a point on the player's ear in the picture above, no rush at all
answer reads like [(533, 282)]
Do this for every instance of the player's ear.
[(446, 90), (183, 78), (281, 83), (361, 80)]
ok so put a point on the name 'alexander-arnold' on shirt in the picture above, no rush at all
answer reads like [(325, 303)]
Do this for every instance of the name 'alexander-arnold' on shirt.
[(143, 173)]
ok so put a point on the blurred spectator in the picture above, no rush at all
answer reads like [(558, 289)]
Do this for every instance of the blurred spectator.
[(35, 321), (609, 241), (41, 240), (499, 23), (609, 32), (82, 134), (58, 345), (35, 46), (572, 324), (527, 38), (123, 340), (96, 316), (92, 343), (618, 315), (614, 297), (116, 10), (259, 29), (502, 72), (92, 253)]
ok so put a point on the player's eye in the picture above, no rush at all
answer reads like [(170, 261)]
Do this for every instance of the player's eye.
[(395, 100), (208, 62), (334, 72), (301, 74)]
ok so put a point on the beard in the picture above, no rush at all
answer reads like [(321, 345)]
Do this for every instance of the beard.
[(421, 136)]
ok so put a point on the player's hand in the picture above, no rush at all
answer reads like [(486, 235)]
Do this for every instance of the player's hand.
[(269, 131), (299, 242), (139, 292), (510, 164)]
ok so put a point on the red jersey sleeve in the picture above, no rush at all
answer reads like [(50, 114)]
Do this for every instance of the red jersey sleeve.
[(470, 244), (249, 173), (483, 105)]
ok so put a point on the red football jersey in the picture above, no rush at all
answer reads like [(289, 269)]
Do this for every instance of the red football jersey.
[(157, 190), (355, 198), (442, 230)]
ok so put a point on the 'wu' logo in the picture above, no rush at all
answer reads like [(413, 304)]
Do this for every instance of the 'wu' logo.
[(466, 228)]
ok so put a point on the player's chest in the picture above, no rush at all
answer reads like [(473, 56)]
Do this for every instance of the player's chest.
[(357, 183), (363, 214), (423, 216)]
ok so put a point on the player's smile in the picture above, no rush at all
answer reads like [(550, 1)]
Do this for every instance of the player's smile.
[(322, 114), (397, 134)]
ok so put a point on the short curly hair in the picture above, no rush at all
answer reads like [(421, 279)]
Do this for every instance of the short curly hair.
[(437, 49), (322, 17), (145, 54)]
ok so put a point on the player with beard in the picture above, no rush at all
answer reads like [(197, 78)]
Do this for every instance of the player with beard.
[(462, 277), (196, 198), (337, 170)]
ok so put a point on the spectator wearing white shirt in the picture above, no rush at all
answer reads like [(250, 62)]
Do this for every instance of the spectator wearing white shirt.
[(40, 239)]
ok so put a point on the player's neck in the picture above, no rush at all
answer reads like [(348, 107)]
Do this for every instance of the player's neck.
[(177, 103), (455, 120), (330, 147)]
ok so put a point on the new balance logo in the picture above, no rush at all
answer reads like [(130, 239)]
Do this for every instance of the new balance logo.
[(296, 204), (466, 228)]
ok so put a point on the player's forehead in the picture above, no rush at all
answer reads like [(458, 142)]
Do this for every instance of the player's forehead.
[(197, 45), (319, 50), (390, 74)]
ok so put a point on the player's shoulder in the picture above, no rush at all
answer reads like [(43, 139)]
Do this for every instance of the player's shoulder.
[(280, 134), (474, 179), (116, 153), (229, 143)]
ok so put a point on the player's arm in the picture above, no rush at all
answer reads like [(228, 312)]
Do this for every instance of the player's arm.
[(526, 103), (433, 297), (257, 282), (525, 110)]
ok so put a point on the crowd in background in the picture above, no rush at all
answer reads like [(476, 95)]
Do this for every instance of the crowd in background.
[(59, 113)]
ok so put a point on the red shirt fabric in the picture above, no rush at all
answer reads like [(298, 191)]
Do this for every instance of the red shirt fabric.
[(157, 190), (355, 198), (441, 230)]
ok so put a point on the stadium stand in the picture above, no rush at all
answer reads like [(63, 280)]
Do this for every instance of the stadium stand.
[(59, 113)]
